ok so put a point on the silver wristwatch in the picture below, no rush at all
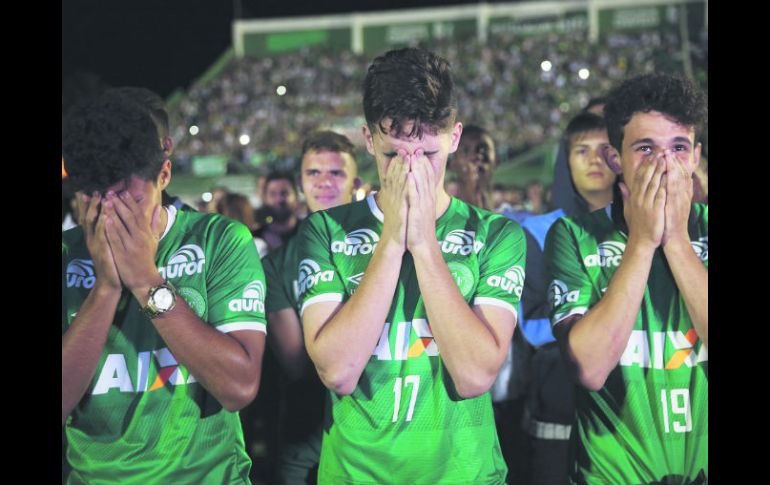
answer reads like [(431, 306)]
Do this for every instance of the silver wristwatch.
[(162, 298)]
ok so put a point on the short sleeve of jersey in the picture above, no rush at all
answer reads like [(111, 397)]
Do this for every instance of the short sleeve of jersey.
[(318, 279), (278, 297), (236, 281), (570, 287), (501, 266)]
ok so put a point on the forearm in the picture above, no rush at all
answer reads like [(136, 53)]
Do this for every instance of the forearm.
[(470, 348), (692, 279), (597, 341), (341, 347), (286, 341), (83, 345), (219, 362)]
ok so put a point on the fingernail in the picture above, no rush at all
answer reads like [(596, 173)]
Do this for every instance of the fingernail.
[(123, 195)]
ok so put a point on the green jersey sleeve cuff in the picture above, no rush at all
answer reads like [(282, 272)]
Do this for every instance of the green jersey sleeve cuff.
[(232, 327), (482, 300), (335, 297)]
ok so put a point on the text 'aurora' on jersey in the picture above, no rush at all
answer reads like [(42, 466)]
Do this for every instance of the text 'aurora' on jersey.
[(462, 242), (253, 299), (512, 280), (558, 293), (360, 241), (115, 375), (639, 352), (609, 253), (701, 247), (80, 274), (424, 342), (187, 260), (310, 274)]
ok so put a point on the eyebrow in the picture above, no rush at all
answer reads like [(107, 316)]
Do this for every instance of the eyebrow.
[(650, 141)]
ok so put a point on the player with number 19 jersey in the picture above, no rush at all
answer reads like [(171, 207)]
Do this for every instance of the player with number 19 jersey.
[(649, 423), (404, 422)]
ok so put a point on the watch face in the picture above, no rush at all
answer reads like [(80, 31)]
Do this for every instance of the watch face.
[(163, 298)]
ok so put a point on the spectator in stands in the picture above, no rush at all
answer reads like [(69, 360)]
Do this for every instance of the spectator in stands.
[(277, 217), (474, 162)]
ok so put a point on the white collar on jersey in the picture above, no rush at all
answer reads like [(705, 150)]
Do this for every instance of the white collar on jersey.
[(373, 207), (171, 211)]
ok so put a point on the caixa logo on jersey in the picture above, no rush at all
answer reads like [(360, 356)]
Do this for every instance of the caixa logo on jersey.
[(512, 280), (461, 242), (701, 247), (253, 299), (360, 241), (187, 260), (558, 294), (80, 274), (310, 274), (609, 253)]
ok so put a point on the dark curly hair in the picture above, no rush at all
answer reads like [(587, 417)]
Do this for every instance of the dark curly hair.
[(674, 96), (409, 84), (108, 139)]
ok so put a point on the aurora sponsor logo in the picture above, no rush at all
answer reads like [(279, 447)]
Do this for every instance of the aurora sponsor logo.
[(80, 274), (461, 242), (609, 253), (558, 293), (512, 280), (701, 247), (253, 299), (360, 241), (310, 274), (114, 373), (187, 260)]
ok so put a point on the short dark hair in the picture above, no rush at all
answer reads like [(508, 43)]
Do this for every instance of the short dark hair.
[(674, 96), (409, 84), (584, 122), (280, 175), (327, 140), (108, 139), (150, 101)]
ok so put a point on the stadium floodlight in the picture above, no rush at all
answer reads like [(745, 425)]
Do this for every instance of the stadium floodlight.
[(546, 66), (584, 73), (194, 130), (281, 90), (206, 196), (244, 139)]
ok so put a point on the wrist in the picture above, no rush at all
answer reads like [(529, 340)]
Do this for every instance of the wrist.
[(640, 246), (141, 290), (677, 244)]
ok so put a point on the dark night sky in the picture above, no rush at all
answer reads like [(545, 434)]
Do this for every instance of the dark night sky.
[(167, 44)]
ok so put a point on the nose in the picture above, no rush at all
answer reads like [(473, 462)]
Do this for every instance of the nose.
[(325, 180)]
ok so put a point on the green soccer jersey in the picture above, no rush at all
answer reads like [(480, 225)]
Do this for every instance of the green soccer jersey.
[(404, 422), (144, 418), (649, 422)]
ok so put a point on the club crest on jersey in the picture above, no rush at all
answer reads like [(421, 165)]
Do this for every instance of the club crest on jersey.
[(512, 280), (461, 242), (253, 299), (187, 260), (701, 247), (310, 274), (558, 294), (80, 274), (360, 241), (609, 253)]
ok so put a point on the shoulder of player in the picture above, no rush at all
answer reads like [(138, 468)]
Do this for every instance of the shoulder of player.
[(210, 224)]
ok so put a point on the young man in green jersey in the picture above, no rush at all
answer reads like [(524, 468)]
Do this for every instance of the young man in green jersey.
[(408, 298), (629, 294), (163, 323), (328, 178)]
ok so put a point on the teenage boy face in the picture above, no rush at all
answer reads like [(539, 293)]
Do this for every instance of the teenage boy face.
[(434, 145), (648, 134), (586, 163)]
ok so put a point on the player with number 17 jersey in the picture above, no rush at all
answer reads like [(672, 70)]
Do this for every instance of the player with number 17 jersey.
[(404, 422)]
